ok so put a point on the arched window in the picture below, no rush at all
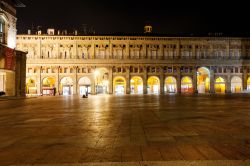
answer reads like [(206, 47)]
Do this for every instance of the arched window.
[(2, 30)]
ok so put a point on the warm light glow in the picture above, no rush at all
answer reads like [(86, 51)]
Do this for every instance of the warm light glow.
[(96, 73), (170, 85), (203, 80), (119, 85), (220, 86), (186, 85), (136, 85), (153, 85)]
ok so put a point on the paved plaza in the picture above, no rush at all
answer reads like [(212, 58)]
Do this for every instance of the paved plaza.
[(138, 130)]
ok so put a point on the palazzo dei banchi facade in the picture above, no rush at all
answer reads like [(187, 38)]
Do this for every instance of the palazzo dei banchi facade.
[(134, 64)]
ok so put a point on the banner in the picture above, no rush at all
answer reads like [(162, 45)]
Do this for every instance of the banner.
[(9, 59)]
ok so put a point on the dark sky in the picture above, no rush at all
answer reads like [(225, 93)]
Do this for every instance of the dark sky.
[(109, 16)]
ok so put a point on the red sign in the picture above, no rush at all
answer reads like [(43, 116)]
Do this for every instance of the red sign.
[(9, 59)]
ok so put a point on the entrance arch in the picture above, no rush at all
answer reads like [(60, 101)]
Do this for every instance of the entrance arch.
[(31, 86), (101, 80), (248, 83), (48, 86), (153, 85), (136, 85), (7, 82), (186, 85), (170, 85), (236, 84), (203, 80), (119, 85), (84, 85), (66, 86), (220, 85)]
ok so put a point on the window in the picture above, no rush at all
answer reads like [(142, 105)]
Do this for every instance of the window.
[(236, 70), (2, 30)]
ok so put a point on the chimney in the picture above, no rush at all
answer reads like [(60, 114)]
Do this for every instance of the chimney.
[(29, 32)]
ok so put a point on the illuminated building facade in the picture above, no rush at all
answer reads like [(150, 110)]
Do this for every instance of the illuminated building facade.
[(12, 62), (143, 64)]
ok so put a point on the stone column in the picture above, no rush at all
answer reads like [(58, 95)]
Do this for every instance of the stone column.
[(195, 80), (144, 51), (161, 52), (39, 51), (17, 78), (76, 52), (93, 86), (23, 74), (92, 51), (212, 90), (110, 51), (145, 80), (39, 81), (110, 80), (127, 80), (178, 79), (58, 80), (127, 52), (244, 78), (228, 81), (75, 84), (162, 81), (193, 52)]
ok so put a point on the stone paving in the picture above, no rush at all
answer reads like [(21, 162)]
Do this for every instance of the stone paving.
[(126, 130)]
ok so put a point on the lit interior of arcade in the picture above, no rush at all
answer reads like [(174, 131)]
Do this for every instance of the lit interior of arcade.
[(136, 85), (153, 85), (220, 85)]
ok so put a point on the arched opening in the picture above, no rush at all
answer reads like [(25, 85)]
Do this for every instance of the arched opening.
[(153, 85), (236, 84), (31, 86), (136, 85), (48, 86), (170, 85), (119, 85), (7, 82), (101, 78), (84, 86), (220, 85), (2, 81), (2, 29), (248, 83), (66, 86), (203, 80), (186, 85)]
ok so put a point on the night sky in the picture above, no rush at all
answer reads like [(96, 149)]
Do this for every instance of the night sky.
[(109, 16)]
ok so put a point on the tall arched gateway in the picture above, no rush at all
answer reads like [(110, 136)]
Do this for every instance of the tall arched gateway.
[(66, 86), (220, 85), (170, 85), (136, 85), (48, 86), (119, 85), (84, 85), (203, 80), (153, 85), (31, 86), (236, 84), (186, 85)]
